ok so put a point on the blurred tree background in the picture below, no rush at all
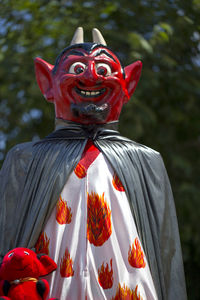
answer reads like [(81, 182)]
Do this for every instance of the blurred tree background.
[(165, 110)]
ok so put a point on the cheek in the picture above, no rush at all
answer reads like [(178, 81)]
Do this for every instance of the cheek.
[(115, 84), (120, 88), (66, 80), (63, 86)]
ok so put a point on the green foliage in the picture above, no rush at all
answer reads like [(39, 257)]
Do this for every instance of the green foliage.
[(164, 112)]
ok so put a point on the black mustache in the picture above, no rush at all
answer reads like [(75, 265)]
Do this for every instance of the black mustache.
[(91, 110)]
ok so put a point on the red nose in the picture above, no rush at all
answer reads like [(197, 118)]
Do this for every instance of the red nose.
[(89, 77)]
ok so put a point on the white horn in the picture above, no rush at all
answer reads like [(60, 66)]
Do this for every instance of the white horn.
[(97, 37), (78, 36)]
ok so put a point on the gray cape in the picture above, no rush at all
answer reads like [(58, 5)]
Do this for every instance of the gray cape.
[(34, 174)]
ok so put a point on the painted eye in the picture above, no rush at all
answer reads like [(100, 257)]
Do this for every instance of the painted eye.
[(11, 254), (77, 68), (103, 69), (25, 252)]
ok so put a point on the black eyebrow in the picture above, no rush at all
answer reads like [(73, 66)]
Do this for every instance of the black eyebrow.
[(105, 52), (73, 52)]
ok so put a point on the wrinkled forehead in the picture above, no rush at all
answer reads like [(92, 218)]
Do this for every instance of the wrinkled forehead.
[(86, 49)]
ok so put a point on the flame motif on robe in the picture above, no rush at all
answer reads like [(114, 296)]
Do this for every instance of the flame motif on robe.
[(117, 183), (105, 277), (99, 227), (136, 255), (63, 212), (42, 245), (66, 265), (80, 171), (125, 293)]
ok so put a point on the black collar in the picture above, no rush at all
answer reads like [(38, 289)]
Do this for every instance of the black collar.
[(61, 124), (66, 130)]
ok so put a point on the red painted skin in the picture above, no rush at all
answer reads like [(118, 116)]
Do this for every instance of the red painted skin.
[(97, 72)]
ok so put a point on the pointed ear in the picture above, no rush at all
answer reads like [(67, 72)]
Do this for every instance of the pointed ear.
[(132, 73), (47, 264), (43, 71)]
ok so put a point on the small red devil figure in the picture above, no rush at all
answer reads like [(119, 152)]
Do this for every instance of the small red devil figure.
[(19, 273)]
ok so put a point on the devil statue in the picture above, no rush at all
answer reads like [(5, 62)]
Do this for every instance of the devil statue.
[(99, 204)]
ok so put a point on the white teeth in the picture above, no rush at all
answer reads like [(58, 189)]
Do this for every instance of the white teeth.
[(90, 93)]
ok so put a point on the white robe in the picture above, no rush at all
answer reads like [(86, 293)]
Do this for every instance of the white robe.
[(92, 237)]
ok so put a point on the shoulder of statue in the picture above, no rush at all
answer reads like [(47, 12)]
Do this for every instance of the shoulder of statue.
[(20, 155), (22, 149), (131, 145)]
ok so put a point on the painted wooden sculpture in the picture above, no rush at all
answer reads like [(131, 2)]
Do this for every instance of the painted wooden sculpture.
[(98, 203)]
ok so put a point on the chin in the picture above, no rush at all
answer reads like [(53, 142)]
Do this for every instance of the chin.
[(88, 113)]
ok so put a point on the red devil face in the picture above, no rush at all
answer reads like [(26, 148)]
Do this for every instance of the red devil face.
[(87, 86)]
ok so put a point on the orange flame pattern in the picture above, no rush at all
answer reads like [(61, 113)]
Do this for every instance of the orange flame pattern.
[(63, 212), (105, 277), (66, 265), (99, 227), (42, 245), (125, 293), (136, 255), (80, 171), (117, 183)]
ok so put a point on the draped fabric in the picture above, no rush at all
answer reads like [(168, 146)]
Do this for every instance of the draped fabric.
[(34, 174), (92, 237)]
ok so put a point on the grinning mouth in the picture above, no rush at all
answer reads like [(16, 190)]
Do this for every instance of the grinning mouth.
[(89, 94)]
